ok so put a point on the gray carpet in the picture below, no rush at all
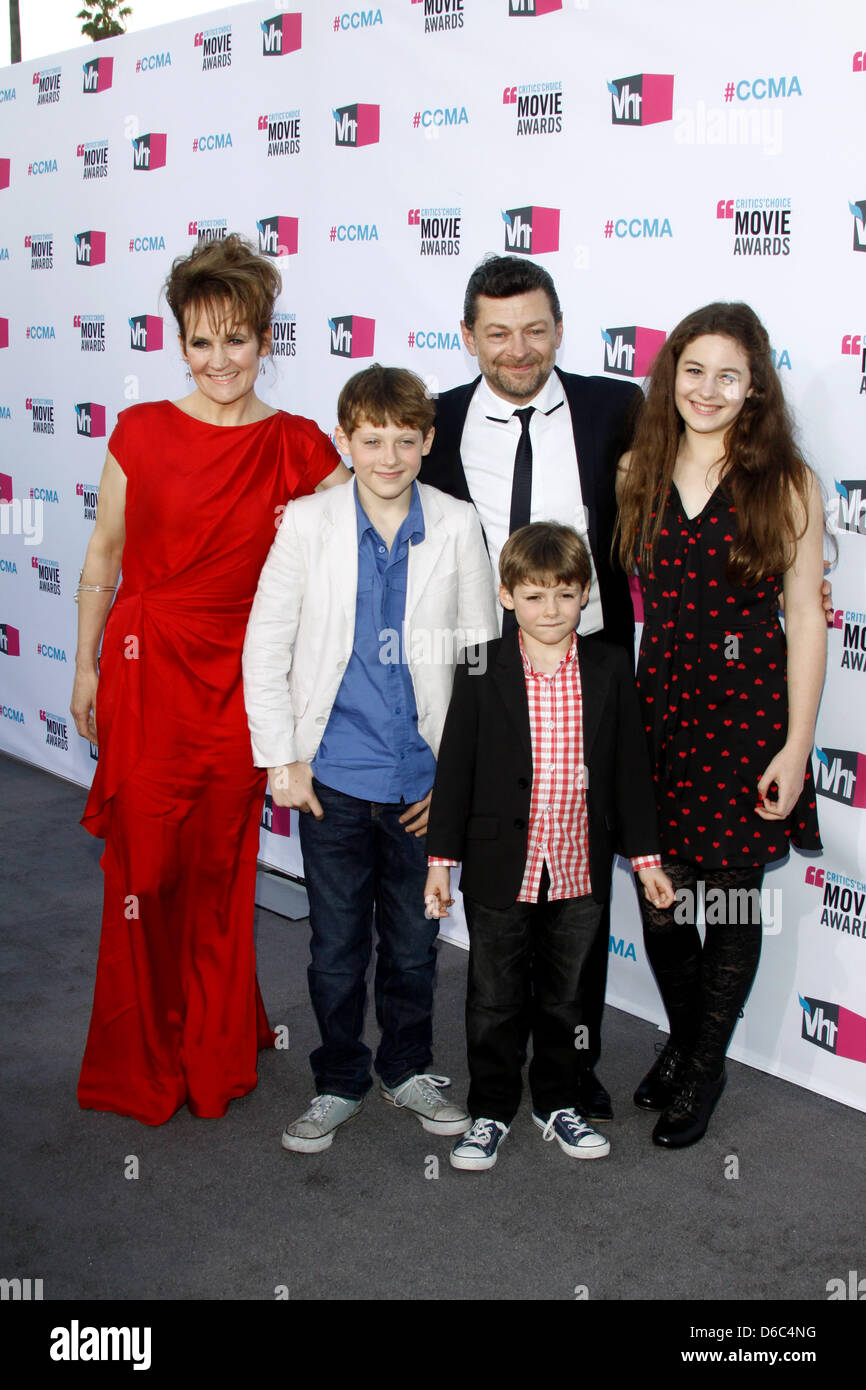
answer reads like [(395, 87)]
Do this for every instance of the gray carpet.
[(219, 1211)]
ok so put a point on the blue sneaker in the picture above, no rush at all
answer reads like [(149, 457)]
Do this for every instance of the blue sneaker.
[(477, 1148), (572, 1133)]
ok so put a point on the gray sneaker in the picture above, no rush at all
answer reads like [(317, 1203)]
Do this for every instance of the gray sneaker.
[(313, 1131), (420, 1095)]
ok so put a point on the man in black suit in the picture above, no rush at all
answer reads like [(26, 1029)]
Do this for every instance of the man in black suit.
[(555, 460)]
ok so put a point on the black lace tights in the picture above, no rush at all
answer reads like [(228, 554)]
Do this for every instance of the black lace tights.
[(704, 987)]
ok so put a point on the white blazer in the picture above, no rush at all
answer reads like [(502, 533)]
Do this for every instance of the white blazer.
[(302, 626)]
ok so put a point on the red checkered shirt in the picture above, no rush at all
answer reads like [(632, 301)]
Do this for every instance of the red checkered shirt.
[(558, 832)]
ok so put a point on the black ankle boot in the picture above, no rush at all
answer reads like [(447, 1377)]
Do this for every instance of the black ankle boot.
[(686, 1118), (661, 1082)]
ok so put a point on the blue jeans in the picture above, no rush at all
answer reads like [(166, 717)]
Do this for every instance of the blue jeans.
[(360, 863)]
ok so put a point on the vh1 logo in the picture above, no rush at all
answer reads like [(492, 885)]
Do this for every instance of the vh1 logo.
[(530, 8), (833, 1028), (644, 99), (90, 248), (149, 151), (4, 333), (98, 73), (631, 351), (281, 35), (859, 211), (5, 172), (145, 333), (532, 230), (90, 420), (10, 640), (278, 236), (352, 336), (841, 775), (356, 125)]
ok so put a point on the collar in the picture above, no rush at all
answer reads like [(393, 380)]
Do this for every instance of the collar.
[(551, 395), (527, 664), (411, 527)]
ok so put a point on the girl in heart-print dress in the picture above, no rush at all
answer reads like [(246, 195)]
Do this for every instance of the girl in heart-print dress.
[(722, 517)]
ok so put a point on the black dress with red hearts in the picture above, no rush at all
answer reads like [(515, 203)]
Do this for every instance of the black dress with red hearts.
[(712, 678)]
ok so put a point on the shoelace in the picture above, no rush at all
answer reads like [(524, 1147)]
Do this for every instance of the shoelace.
[(669, 1062), (575, 1123), (427, 1083), (481, 1133), (319, 1108)]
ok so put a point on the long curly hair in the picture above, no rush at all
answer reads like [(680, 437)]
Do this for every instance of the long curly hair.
[(763, 473)]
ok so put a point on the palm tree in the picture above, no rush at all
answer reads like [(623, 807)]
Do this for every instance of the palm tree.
[(14, 31), (104, 19)]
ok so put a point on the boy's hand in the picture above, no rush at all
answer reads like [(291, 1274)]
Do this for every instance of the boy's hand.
[(657, 887), (292, 785), (437, 892), (420, 810)]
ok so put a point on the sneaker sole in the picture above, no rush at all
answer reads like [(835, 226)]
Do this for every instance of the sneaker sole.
[(471, 1165), (600, 1151)]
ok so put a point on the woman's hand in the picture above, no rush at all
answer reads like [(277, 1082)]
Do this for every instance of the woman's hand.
[(437, 892), (788, 771), (292, 785), (82, 706)]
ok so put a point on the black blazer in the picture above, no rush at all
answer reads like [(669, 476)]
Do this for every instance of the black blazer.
[(603, 412), (479, 813)]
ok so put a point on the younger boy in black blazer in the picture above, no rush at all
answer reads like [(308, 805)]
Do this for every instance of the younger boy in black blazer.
[(542, 777)]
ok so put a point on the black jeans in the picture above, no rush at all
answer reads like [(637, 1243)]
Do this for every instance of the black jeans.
[(527, 961)]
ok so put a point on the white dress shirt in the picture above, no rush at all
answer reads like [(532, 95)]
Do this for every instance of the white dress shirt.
[(487, 448)]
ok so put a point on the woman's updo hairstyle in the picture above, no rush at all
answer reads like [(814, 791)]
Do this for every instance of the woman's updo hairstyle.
[(226, 280)]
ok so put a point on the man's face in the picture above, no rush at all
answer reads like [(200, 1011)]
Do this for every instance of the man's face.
[(515, 341)]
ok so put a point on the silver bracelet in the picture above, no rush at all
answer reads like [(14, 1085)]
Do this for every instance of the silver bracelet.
[(94, 589)]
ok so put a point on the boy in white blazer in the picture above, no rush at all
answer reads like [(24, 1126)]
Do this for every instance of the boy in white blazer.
[(367, 598)]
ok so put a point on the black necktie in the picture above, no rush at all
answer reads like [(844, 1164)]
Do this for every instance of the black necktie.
[(521, 482)]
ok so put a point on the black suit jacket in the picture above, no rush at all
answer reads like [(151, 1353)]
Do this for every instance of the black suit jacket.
[(602, 416), (479, 812)]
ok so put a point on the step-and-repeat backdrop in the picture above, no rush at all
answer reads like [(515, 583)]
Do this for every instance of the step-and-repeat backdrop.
[(652, 160)]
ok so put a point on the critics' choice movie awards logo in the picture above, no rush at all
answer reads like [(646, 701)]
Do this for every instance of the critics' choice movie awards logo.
[(94, 159), (841, 775), (439, 230), (281, 35), (283, 335), (145, 333), (48, 575), (47, 84), (92, 327), (352, 336), (278, 236), (90, 248), (851, 498), (833, 1028), (89, 494), (843, 903), (41, 248), (356, 125), (631, 351), (216, 47), (149, 152), (98, 73), (283, 132), (854, 345), (440, 15), (761, 226), (206, 229), (90, 420), (853, 628), (56, 730), (858, 211), (537, 107), (531, 230), (41, 410), (645, 99)]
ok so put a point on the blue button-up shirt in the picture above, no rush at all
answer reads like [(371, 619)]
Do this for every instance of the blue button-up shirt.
[(371, 747)]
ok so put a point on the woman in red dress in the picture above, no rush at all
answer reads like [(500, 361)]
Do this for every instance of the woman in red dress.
[(722, 516), (188, 502)]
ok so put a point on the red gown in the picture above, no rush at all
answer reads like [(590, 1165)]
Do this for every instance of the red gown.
[(177, 1014)]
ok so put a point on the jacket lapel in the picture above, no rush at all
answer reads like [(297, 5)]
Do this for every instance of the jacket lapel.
[(583, 418), (424, 558), (339, 538), (511, 685), (593, 693)]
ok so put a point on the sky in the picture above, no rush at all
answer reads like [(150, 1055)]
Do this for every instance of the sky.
[(50, 26)]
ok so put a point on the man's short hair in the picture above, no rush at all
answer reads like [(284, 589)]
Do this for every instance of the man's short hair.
[(543, 553), (502, 277), (386, 395)]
